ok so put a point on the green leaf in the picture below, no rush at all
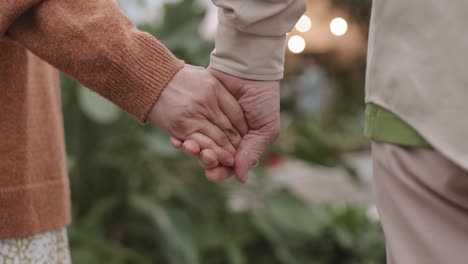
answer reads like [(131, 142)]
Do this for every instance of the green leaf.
[(179, 249), (97, 108)]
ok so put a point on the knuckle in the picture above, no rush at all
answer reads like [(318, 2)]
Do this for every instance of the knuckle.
[(225, 124), (176, 127), (204, 96), (232, 133), (211, 82), (200, 99), (239, 117), (224, 140)]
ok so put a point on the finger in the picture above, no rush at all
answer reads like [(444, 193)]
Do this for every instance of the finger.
[(191, 147), (248, 155), (176, 143), (232, 83), (219, 174), (216, 116), (225, 157), (219, 119), (216, 135), (233, 111), (208, 159)]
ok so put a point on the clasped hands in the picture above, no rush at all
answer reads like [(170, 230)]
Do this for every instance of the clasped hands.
[(226, 121)]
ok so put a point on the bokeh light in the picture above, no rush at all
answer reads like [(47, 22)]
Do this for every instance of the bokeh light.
[(338, 26), (304, 24), (296, 44)]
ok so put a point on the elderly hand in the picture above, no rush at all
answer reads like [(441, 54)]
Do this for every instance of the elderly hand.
[(195, 107), (260, 103)]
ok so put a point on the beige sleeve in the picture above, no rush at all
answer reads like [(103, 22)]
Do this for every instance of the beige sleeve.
[(251, 36)]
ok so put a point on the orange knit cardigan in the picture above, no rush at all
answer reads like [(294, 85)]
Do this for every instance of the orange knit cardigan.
[(94, 43)]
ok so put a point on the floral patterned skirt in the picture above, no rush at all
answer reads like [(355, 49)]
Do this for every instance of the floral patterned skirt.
[(45, 248)]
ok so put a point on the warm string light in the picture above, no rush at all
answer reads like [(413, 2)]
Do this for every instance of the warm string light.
[(304, 24), (296, 44), (338, 26)]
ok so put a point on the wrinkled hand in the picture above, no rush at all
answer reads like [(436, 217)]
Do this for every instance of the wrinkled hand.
[(195, 107), (260, 103)]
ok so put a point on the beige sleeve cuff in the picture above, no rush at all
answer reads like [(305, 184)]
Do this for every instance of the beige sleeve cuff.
[(247, 55)]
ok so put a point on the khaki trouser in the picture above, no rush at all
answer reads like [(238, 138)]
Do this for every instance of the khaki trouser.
[(422, 199)]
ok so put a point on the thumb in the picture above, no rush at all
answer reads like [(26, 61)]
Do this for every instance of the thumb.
[(248, 154)]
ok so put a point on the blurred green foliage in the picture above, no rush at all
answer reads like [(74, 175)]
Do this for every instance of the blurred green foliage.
[(136, 200)]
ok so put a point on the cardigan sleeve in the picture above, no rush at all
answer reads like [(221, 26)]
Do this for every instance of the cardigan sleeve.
[(96, 44)]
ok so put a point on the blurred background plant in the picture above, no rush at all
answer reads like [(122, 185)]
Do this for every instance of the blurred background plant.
[(137, 200)]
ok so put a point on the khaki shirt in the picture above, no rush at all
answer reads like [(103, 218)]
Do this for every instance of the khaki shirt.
[(417, 69), (251, 36)]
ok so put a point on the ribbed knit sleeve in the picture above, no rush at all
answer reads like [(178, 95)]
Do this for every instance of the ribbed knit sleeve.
[(94, 43)]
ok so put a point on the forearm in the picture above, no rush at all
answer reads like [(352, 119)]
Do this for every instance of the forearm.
[(94, 43)]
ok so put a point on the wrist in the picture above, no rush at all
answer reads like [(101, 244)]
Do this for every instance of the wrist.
[(138, 75)]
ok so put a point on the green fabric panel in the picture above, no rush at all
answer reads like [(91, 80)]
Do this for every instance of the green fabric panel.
[(383, 126)]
